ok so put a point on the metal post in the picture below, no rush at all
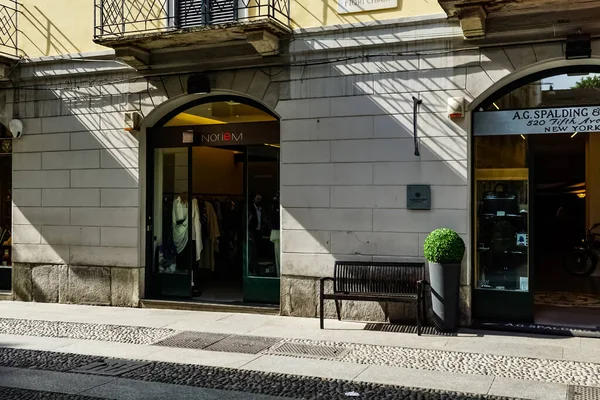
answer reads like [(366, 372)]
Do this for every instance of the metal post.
[(416, 103), (16, 28), (122, 17)]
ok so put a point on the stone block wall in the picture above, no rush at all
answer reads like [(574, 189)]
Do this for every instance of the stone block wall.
[(76, 222), (348, 153), (78, 176)]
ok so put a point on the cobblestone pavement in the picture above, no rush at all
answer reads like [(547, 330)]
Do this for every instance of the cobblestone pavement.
[(78, 330), (287, 386), (555, 371), (7, 393)]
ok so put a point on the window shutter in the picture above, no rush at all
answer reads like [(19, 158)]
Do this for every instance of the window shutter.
[(199, 12), (222, 11), (190, 13)]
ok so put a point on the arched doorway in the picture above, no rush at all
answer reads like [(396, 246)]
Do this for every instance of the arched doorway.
[(212, 202), (536, 189)]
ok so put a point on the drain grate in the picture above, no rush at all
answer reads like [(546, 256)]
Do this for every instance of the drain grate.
[(583, 393), (191, 340), (313, 351), (109, 367), (427, 330), (243, 344)]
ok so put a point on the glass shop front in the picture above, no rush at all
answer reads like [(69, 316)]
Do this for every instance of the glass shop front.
[(536, 197)]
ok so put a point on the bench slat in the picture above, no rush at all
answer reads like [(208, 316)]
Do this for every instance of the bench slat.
[(377, 278)]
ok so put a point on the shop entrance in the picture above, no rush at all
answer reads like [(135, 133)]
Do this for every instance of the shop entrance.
[(536, 191), (213, 230)]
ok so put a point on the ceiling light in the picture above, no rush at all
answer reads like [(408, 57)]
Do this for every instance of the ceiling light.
[(523, 136), (272, 145), (573, 135), (581, 195), (496, 105), (232, 103)]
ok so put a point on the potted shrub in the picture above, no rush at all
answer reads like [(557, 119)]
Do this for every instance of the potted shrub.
[(444, 250)]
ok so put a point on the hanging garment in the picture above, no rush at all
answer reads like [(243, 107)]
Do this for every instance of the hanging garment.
[(212, 241), (180, 226)]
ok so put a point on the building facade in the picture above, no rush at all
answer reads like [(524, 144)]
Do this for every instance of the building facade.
[(336, 81)]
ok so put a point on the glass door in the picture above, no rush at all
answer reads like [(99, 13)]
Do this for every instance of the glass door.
[(174, 217), (262, 252)]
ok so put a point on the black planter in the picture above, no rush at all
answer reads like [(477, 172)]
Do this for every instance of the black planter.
[(445, 285)]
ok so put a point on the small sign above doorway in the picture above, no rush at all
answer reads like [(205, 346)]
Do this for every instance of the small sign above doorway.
[(355, 6)]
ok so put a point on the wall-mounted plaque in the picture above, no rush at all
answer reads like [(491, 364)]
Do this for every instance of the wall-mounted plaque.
[(418, 197)]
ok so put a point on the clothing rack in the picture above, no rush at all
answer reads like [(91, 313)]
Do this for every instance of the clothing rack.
[(208, 194)]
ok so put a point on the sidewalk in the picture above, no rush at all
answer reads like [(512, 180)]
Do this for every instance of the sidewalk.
[(486, 363)]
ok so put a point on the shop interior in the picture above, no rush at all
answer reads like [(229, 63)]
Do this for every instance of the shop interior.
[(234, 208), (536, 197)]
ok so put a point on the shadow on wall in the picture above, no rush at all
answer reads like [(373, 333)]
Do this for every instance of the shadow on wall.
[(75, 196), (347, 160), (55, 41)]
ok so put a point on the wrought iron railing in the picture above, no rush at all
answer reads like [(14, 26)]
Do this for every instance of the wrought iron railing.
[(8, 27), (119, 18)]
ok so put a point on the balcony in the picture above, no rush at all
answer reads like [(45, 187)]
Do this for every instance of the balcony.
[(8, 31), (159, 34), (489, 20)]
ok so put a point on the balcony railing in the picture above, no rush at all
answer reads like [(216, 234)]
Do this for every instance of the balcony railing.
[(120, 18), (8, 28)]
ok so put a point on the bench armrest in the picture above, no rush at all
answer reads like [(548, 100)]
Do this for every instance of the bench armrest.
[(421, 285), (322, 284)]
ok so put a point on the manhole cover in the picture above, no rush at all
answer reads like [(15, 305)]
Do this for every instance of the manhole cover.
[(306, 350), (191, 340), (584, 393), (109, 367), (243, 344)]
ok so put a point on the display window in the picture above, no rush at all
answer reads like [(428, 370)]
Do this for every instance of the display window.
[(215, 205), (536, 200)]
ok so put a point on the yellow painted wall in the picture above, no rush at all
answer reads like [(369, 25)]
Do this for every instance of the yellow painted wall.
[(51, 27), (313, 13)]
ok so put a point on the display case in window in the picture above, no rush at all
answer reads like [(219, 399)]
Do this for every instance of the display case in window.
[(502, 229)]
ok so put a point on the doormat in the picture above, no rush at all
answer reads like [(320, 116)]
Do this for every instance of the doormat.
[(583, 393), (564, 299), (538, 329)]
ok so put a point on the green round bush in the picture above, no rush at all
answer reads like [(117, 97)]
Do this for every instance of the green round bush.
[(444, 246)]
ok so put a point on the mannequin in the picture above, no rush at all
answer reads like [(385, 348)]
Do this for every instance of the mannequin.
[(180, 232), (275, 232)]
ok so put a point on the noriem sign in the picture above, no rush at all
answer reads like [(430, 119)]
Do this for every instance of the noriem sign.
[(353, 6), (532, 121)]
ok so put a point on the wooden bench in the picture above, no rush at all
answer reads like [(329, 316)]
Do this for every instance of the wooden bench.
[(376, 281)]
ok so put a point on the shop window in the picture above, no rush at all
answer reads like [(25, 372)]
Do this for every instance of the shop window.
[(502, 218)]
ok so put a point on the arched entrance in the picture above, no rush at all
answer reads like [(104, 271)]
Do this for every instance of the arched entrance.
[(536, 190), (212, 202)]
